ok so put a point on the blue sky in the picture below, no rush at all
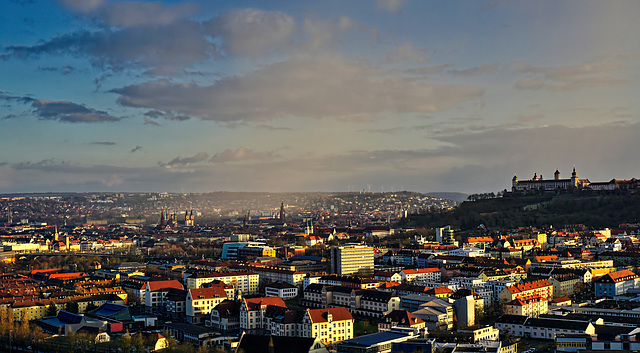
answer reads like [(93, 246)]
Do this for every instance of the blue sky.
[(196, 96)]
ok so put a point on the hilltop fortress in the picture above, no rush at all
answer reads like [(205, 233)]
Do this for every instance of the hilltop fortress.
[(557, 184)]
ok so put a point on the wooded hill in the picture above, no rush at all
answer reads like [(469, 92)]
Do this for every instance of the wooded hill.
[(597, 211)]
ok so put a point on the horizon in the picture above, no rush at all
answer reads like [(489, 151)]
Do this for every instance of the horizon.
[(340, 96)]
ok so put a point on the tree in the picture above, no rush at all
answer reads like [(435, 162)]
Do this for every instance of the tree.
[(90, 306), (73, 307), (52, 309)]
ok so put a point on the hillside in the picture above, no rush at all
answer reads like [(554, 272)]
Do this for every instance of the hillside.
[(596, 211)]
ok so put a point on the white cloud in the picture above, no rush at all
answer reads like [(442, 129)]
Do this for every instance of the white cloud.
[(252, 32), (393, 6), (314, 87)]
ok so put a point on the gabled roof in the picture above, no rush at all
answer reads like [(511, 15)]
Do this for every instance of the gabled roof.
[(337, 314), (402, 318), (207, 293), (257, 303), (158, 285)]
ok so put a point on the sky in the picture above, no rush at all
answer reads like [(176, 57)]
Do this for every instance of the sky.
[(295, 95)]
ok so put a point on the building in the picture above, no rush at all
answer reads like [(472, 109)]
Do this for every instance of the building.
[(547, 328), (351, 259), (529, 307), (380, 342), (245, 281), (329, 325), (281, 289), (541, 288), (401, 318), (615, 283), (446, 236), (421, 274), (155, 294), (253, 318), (201, 301), (539, 184), (281, 344), (564, 285)]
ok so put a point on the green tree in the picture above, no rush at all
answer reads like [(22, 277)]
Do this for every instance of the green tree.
[(52, 309), (90, 306), (73, 307)]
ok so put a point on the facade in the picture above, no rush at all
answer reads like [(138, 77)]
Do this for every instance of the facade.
[(245, 281), (201, 301), (538, 183), (529, 307), (351, 259), (156, 293), (253, 317), (541, 288), (281, 289), (522, 326), (421, 274), (328, 325), (400, 318), (564, 285), (615, 283)]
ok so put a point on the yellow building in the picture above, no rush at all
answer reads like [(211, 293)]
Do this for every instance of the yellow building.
[(350, 259), (328, 325)]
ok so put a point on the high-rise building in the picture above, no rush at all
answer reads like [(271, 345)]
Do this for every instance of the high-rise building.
[(350, 259)]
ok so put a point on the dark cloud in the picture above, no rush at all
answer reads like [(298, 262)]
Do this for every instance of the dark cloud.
[(156, 114), (69, 112), (319, 86), (65, 70), (98, 81), (174, 45), (18, 99), (103, 143), (136, 149)]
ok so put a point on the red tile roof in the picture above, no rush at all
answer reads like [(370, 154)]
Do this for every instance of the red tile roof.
[(157, 285), (208, 293), (337, 314)]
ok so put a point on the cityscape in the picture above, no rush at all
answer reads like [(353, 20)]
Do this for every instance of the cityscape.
[(338, 176)]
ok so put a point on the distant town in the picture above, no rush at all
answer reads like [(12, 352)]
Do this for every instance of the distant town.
[(307, 272)]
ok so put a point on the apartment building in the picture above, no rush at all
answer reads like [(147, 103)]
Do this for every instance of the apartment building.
[(201, 301), (615, 283), (245, 281), (431, 274), (541, 288), (351, 259), (529, 307)]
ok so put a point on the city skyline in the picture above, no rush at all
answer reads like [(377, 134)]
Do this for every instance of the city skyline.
[(198, 96)]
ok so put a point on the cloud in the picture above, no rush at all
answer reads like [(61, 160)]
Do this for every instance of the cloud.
[(252, 32), (572, 77), (407, 52), (273, 128), (314, 87), (476, 70), (530, 118), (322, 33), (65, 70), (174, 45), (197, 158), (136, 149), (529, 83), (427, 70), (18, 99), (241, 154), (69, 112), (83, 6), (103, 143), (155, 114), (393, 6), (148, 121)]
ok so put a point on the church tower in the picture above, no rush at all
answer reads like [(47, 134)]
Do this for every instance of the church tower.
[(556, 175), (514, 183), (282, 214), (574, 178)]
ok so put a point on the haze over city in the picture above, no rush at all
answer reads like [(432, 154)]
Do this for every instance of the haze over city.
[(195, 96)]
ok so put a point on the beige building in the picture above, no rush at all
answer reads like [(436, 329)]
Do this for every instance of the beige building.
[(542, 288), (245, 281), (328, 325), (351, 259), (530, 307)]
